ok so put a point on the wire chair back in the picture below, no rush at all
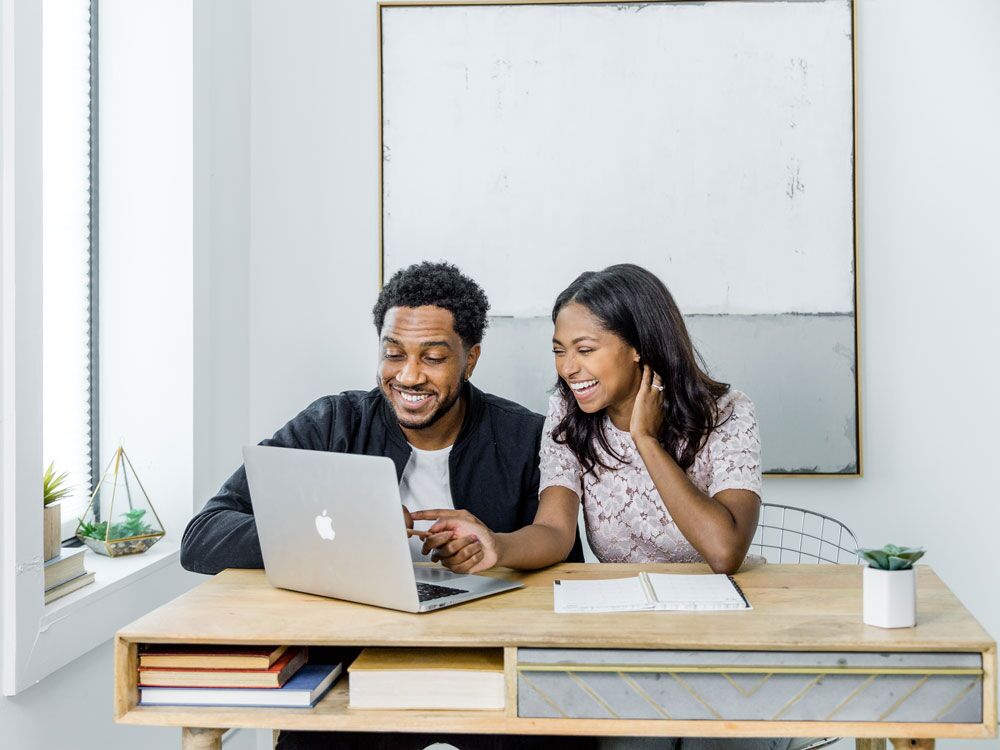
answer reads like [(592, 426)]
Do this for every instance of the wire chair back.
[(792, 535)]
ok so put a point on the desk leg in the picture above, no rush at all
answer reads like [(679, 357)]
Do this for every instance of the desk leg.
[(869, 743), (196, 738), (913, 744)]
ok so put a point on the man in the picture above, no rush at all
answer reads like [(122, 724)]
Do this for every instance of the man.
[(456, 449)]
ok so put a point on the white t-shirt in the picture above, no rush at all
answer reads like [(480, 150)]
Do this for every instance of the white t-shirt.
[(425, 485)]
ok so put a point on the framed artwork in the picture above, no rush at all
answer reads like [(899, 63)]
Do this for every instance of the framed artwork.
[(712, 143)]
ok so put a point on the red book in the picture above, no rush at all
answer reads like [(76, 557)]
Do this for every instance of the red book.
[(273, 677)]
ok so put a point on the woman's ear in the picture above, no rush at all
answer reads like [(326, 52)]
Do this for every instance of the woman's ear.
[(635, 357)]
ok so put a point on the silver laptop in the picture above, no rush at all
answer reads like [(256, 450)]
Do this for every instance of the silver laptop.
[(331, 524)]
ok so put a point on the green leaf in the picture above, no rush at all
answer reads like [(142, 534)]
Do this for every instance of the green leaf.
[(899, 563), (891, 557), (54, 487)]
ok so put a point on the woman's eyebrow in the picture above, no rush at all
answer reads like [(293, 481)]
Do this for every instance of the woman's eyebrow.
[(577, 340)]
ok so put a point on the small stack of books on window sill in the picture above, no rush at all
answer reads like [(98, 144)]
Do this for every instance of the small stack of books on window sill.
[(192, 675), (65, 573)]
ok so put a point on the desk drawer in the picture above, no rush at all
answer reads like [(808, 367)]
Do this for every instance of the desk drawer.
[(750, 685)]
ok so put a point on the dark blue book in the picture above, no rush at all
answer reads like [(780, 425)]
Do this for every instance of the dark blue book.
[(302, 690)]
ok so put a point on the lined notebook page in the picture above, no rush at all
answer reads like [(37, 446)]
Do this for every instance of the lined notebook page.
[(696, 592), (604, 595), (650, 591)]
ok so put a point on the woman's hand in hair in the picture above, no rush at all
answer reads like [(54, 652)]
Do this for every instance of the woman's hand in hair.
[(647, 412)]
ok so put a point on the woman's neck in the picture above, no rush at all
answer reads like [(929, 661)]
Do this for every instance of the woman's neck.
[(620, 414)]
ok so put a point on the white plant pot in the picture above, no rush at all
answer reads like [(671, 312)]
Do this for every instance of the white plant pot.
[(890, 598)]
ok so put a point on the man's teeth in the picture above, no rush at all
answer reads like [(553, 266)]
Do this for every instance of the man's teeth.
[(413, 397), (581, 386)]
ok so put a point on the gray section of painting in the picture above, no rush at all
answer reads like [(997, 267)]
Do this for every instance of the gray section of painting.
[(798, 369)]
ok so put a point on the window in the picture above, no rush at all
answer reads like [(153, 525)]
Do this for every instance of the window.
[(69, 249)]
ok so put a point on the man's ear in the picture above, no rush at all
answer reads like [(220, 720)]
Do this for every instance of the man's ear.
[(471, 358)]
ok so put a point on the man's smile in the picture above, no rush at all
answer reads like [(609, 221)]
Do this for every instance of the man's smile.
[(411, 399)]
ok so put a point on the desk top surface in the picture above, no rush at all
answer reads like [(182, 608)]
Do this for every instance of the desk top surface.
[(796, 608)]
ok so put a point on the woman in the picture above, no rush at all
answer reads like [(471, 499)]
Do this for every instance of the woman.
[(665, 460)]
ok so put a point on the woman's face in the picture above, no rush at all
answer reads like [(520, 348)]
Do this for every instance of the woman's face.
[(600, 368)]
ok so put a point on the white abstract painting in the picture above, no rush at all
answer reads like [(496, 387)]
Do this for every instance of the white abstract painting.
[(709, 142)]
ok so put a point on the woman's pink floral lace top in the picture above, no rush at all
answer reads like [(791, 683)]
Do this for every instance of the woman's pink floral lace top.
[(625, 518)]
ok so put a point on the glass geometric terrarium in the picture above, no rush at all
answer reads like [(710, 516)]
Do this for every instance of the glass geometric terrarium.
[(120, 519)]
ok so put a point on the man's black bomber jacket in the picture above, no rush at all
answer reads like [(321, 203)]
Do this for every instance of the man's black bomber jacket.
[(493, 470)]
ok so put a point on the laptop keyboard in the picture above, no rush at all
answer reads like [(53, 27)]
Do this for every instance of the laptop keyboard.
[(428, 591)]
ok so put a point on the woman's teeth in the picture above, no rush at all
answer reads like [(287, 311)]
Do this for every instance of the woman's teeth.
[(583, 386)]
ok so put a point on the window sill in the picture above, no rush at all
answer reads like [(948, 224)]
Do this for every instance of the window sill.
[(124, 590), (113, 574)]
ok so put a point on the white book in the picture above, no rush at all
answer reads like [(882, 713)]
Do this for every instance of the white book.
[(649, 592), (428, 678)]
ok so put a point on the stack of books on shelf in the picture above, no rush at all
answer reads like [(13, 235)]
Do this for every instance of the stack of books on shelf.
[(192, 675), (65, 573), (428, 678)]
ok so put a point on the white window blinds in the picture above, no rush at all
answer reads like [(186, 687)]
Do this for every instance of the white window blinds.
[(66, 248)]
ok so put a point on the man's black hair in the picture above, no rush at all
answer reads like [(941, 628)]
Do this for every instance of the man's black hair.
[(440, 285)]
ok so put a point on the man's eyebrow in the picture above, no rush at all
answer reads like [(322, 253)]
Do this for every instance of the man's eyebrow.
[(423, 344)]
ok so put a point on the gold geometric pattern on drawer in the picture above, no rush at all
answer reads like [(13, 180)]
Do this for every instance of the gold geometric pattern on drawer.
[(902, 688)]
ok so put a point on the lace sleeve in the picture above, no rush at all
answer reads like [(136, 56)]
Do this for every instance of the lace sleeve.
[(734, 450), (557, 463)]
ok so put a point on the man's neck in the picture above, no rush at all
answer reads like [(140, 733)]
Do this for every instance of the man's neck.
[(443, 432)]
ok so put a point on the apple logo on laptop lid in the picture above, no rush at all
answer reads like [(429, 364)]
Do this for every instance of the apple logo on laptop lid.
[(324, 525)]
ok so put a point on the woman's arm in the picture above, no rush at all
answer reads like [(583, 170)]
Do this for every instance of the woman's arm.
[(719, 527), (462, 543)]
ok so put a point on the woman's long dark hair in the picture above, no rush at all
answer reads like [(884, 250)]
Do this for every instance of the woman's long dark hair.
[(634, 304)]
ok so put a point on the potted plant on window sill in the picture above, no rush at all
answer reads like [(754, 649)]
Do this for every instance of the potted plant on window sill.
[(54, 489), (890, 586)]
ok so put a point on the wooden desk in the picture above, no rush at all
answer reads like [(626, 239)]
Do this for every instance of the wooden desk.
[(801, 664)]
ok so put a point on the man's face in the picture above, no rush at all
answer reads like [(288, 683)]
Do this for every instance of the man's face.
[(423, 364)]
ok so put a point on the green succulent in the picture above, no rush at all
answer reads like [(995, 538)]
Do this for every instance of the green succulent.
[(132, 525), (891, 557), (54, 486)]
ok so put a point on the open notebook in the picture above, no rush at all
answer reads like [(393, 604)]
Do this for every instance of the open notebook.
[(650, 591)]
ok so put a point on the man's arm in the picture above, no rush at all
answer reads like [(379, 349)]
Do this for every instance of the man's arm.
[(224, 534)]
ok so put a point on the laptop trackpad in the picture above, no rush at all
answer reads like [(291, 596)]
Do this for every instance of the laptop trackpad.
[(436, 574)]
